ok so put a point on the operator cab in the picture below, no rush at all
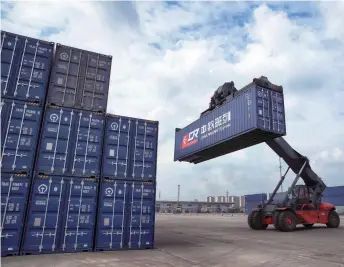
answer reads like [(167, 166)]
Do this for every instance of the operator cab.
[(302, 194)]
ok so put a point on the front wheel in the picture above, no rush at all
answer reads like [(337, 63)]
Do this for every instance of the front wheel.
[(276, 220), (254, 221), (333, 219), (287, 221)]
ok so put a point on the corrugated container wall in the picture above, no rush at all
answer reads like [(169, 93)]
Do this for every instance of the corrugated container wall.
[(253, 116), (334, 191), (279, 197), (80, 79), (130, 148), (126, 215), (334, 195), (256, 198), (71, 143), (61, 217), (25, 67), (252, 201), (14, 196), (20, 123)]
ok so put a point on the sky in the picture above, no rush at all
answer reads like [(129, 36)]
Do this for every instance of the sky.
[(169, 57)]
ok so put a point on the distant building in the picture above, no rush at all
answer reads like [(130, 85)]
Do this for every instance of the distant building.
[(238, 201), (192, 207), (211, 199), (235, 200), (220, 199), (242, 202)]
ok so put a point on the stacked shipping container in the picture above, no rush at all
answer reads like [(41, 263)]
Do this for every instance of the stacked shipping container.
[(63, 202), (252, 201), (335, 196), (25, 68), (126, 211), (52, 161)]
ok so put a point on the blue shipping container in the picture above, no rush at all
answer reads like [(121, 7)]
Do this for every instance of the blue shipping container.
[(253, 116), (130, 148), (279, 197), (126, 215), (251, 205), (79, 79), (248, 209), (335, 200), (25, 67), (334, 191), (61, 215), (14, 195), (256, 198), (71, 143), (20, 123)]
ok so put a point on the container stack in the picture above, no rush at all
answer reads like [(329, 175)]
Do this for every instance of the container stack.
[(61, 153), (25, 68), (63, 202), (335, 196), (252, 201), (126, 212)]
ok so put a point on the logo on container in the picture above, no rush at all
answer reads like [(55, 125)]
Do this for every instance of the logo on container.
[(190, 138)]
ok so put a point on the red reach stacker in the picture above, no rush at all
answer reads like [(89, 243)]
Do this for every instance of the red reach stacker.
[(302, 203)]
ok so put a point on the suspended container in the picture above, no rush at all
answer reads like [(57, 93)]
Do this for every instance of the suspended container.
[(61, 215), (126, 215), (80, 79), (25, 67), (130, 148), (14, 196), (20, 123), (71, 143), (253, 115)]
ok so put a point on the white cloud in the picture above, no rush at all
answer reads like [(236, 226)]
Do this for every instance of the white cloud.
[(169, 59)]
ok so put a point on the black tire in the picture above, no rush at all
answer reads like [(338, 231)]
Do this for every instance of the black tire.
[(333, 219), (287, 221), (254, 221), (309, 225), (250, 220), (276, 220)]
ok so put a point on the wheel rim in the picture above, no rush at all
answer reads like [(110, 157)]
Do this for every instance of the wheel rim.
[(289, 221)]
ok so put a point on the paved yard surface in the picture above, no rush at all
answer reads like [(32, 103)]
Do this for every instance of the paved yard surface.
[(211, 241)]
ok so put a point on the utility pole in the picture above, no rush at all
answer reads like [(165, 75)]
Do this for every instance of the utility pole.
[(227, 196), (159, 195), (178, 194), (280, 167)]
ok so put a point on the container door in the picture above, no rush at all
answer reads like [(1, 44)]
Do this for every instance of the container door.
[(141, 215), (117, 148), (112, 221), (95, 82), (21, 129), (43, 225), (65, 77), (144, 151), (54, 152), (80, 211), (14, 194), (87, 145)]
